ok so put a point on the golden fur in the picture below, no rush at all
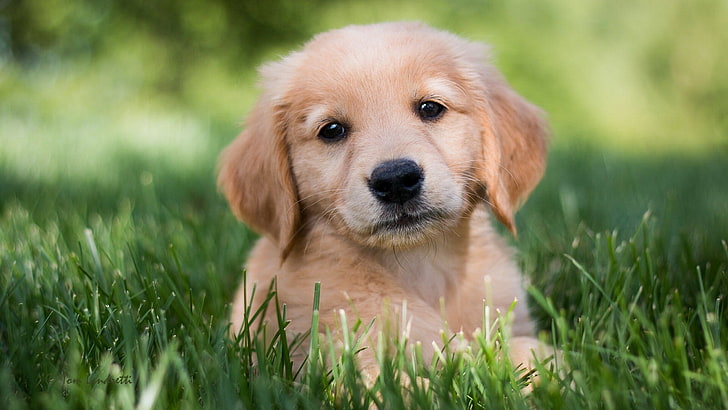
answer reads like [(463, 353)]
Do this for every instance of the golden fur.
[(313, 202)]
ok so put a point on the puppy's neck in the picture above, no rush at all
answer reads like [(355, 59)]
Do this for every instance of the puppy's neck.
[(431, 269)]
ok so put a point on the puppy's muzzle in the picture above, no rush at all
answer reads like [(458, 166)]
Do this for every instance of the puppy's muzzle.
[(397, 181)]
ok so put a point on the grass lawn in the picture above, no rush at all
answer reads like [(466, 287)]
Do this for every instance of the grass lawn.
[(118, 296)]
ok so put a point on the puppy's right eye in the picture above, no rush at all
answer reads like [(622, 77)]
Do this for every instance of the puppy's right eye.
[(332, 132)]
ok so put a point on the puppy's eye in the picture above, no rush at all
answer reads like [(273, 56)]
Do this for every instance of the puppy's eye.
[(430, 110), (332, 132)]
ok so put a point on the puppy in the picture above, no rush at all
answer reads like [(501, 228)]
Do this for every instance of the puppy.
[(374, 162)]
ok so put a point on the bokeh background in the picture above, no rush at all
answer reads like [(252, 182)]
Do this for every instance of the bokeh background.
[(99, 98)]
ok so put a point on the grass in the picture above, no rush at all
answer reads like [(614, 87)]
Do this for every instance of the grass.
[(124, 302)]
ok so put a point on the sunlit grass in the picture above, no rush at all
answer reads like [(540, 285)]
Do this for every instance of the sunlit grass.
[(80, 125)]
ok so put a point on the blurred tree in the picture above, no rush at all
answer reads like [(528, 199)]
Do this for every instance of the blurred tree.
[(236, 29), (29, 28)]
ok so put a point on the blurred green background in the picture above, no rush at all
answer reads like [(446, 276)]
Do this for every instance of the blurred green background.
[(100, 98)]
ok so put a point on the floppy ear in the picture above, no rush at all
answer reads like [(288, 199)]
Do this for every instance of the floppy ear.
[(255, 176), (514, 144)]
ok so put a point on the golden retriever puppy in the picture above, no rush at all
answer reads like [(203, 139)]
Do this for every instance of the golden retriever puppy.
[(372, 163)]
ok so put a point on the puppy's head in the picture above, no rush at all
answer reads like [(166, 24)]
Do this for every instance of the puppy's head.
[(389, 133)]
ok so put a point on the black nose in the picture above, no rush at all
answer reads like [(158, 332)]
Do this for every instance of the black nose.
[(396, 181)]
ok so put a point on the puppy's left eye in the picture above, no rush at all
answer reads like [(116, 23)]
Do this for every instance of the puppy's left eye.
[(430, 110)]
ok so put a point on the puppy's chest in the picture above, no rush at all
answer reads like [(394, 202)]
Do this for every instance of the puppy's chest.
[(431, 280)]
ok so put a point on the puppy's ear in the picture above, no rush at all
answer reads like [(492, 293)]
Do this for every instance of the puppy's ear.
[(255, 175), (514, 147)]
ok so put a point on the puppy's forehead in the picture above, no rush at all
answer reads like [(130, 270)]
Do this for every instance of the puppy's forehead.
[(357, 50), (361, 63)]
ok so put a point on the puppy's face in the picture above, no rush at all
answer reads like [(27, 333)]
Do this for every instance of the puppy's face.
[(389, 133), (383, 140)]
